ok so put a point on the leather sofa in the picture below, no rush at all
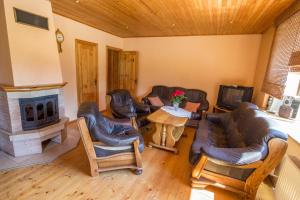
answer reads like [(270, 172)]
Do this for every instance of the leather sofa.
[(122, 105), (193, 95), (237, 150)]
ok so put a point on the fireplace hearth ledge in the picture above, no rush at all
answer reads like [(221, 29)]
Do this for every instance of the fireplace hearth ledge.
[(24, 143)]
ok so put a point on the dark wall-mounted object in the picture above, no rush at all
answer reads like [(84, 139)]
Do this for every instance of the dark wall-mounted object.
[(31, 19)]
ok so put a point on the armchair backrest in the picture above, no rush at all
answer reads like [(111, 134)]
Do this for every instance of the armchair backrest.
[(97, 125), (121, 98)]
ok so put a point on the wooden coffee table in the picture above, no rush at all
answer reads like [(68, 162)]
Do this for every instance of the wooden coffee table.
[(168, 131)]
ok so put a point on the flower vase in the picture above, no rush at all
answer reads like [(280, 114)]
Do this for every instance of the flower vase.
[(176, 106)]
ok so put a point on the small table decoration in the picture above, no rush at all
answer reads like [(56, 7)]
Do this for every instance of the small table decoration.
[(177, 98)]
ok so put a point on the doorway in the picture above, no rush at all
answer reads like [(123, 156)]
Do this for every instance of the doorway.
[(87, 71), (121, 70)]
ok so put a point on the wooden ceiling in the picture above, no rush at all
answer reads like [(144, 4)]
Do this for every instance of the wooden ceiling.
[(142, 18)]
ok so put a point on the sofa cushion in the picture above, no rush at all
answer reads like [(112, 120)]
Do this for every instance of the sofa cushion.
[(155, 101), (191, 107)]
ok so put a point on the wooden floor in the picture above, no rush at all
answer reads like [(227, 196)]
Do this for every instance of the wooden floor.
[(165, 176)]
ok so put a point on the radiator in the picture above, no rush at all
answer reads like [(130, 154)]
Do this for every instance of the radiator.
[(288, 184)]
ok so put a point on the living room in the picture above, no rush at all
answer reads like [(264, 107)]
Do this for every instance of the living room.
[(205, 55)]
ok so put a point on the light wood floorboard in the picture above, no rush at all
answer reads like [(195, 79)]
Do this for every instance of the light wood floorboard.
[(165, 176)]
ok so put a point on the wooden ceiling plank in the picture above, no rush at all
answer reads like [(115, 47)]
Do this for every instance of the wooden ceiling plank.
[(142, 18)]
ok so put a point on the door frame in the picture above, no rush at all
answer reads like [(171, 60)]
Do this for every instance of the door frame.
[(78, 41)]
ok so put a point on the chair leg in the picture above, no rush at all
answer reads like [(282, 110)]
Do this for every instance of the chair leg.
[(94, 168), (250, 196), (196, 173), (138, 171), (138, 158)]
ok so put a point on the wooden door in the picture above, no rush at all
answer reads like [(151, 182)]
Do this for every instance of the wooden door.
[(87, 71), (128, 71)]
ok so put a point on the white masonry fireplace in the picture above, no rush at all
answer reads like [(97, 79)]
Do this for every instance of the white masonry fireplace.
[(29, 117), (32, 112)]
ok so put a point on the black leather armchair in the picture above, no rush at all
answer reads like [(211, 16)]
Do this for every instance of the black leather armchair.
[(122, 105), (109, 138)]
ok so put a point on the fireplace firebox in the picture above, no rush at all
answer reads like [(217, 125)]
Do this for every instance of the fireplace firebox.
[(39, 112)]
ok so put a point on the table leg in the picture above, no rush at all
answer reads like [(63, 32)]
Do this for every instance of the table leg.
[(163, 135), (161, 140)]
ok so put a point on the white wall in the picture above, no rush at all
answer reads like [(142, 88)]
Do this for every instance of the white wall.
[(33, 51), (202, 62), (73, 30)]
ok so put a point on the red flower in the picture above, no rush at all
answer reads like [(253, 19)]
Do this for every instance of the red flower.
[(178, 93)]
